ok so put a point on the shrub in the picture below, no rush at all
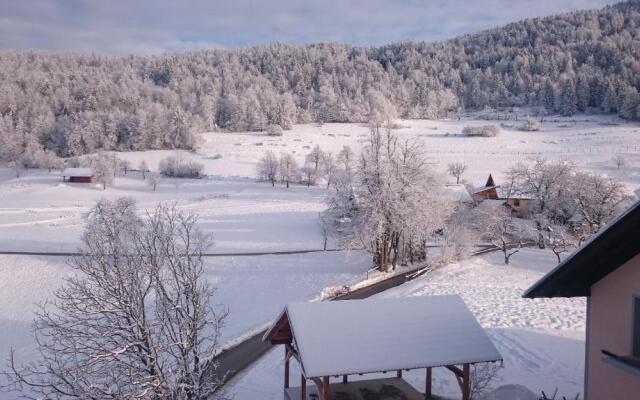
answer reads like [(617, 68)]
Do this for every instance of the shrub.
[(481, 131), (178, 167), (274, 130), (530, 125)]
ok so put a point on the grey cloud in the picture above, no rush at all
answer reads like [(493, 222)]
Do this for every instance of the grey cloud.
[(136, 26)]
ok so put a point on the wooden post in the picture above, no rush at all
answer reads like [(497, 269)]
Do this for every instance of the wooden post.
[(325, 388), (303, 387), (345, 379), (399, 374), (466, 382), (427, 394), (286, 368)]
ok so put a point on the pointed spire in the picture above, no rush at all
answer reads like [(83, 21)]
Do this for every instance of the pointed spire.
[(490, 181)]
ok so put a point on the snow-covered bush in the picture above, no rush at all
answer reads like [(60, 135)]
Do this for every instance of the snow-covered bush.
[(274, 130), (178, 167), (481, 131), (530, 125)]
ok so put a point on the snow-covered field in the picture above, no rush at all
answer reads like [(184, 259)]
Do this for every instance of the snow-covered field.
[(541, 341)]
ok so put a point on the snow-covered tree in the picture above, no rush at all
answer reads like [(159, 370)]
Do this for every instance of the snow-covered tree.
[(456, 169), (153, 180), (268, 167), (135, 320), (144, 168), (288, 168), (103, 170), (394, 204), (530, 125), (503, 230)]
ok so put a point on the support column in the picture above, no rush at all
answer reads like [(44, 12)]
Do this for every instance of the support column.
[(466, 382), (427, 393), (399, 374), (345, 379), (303, 387), (325, 388), (286, 368)]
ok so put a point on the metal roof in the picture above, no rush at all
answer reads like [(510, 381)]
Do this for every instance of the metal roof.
[(78, 172), (376, 335)]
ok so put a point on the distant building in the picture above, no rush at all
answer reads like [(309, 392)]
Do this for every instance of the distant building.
[(606, 270), (78, 175), (519, 203), (487, 192)]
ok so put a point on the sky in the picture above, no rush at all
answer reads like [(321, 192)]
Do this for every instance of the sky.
[(123, 27)]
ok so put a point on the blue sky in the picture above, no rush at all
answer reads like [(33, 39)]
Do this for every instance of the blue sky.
[(156, 26)]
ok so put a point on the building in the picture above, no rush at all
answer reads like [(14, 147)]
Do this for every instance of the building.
[(356, 337), (487, 192), (78, 175), (606, 270), (519, 203)]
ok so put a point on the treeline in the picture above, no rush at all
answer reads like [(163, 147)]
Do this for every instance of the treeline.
[(71, 104)]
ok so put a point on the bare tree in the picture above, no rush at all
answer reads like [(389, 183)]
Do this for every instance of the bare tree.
[(503, 230), (17, 168), (346, 159), (136, 318), (619, 161), (329, 169), (154, 180), (559, 241), (314, 158), (456, 169), (288, 168), (144, 168), (268, 168), (125, 164), (597, 198), (482, 376), (102, 170)]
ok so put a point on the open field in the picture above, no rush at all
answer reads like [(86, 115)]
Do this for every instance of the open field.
[(38, 212)]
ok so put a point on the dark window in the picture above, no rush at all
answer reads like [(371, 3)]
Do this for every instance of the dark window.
[(516, 202), (636, 327)]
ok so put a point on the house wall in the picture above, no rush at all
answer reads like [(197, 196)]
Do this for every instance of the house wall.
[(81, 179), (610, 328), (522, 210)]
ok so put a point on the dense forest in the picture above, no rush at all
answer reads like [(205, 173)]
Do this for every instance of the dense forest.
[(71, 104)]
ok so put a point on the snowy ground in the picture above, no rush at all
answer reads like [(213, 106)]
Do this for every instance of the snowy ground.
[(40, 213), (542, 341)]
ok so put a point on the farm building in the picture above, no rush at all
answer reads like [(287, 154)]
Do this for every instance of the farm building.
[(606, 270), (519, 203), (357, 337), (487, 192), (78, 175)]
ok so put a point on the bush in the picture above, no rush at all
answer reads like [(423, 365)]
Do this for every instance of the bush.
[(178, 167), (274, 130), (530, 125), (481, 131)]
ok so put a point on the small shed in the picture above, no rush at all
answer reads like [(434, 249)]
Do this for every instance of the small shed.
[(356, 337), (78, 175)]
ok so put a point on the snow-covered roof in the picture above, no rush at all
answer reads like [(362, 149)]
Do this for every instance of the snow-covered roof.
[(365, 336), (457, 193), (77, 172), (482, 189)]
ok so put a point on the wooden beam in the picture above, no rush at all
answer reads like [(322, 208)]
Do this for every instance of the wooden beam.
[(457, 371), (466, 381), (427, 392), (325, 388), (287, 356), (303, 387), (345, 379), (399, 373)]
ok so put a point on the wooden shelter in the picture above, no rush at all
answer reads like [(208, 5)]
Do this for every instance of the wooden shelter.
[(487, 192), (78, 175), (357, 337)]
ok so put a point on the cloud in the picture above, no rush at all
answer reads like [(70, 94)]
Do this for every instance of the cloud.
[(148, 27)]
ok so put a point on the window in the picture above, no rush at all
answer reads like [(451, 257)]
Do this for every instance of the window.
[(635, 351), (516, 202)]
